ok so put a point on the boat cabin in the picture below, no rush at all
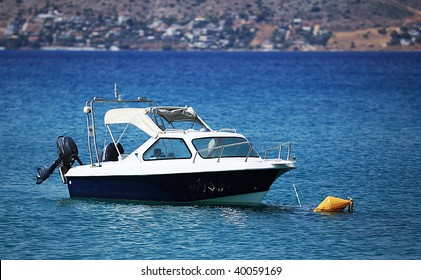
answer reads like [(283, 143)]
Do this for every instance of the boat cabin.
[(175, 133)]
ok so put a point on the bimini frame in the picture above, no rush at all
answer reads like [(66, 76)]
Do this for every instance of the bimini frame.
[(90, 121)]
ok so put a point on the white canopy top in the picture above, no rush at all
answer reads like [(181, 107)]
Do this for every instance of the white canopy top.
[(139, 117), (135, 116)]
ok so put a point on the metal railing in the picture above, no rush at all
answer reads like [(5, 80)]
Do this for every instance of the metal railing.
[(232, 130), (90, 120), (280, 148), (222, 148)]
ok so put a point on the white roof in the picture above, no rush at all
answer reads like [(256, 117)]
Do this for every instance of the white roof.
[(139, 117), (135, 116)]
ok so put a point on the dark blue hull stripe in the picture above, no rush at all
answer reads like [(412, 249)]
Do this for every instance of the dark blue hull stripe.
[(174, 187)]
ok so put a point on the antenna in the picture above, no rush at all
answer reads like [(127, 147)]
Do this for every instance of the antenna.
[(115, 91)]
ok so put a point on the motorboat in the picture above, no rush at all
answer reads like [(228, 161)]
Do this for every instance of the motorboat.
[(182, 159)]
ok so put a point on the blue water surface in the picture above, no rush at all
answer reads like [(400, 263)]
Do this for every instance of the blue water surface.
[(354, 119)]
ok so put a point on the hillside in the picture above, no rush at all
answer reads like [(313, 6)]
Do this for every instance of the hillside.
[(215, 24)]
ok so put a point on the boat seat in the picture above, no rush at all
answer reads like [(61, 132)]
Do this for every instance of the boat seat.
[(157, 153), (109, 153)]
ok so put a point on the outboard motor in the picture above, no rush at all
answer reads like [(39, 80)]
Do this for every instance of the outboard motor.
[(67, 153)]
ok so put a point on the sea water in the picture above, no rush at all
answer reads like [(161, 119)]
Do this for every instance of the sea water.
[(354, 119)]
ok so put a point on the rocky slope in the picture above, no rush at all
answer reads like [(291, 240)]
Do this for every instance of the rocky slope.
[(353, 24)]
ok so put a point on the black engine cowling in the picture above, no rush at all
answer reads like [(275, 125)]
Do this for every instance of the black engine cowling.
[(67, 153)]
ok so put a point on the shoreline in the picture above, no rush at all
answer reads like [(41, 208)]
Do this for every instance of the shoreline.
[(91, 49)]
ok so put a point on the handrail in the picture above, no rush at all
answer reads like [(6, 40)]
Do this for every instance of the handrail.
[(280, 147), (222, 148), (232, 130)]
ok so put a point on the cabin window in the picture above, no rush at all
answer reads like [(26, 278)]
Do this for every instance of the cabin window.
[(167, 148), (215, 147)]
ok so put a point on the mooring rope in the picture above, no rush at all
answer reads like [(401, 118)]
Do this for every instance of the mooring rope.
[(295, 189)]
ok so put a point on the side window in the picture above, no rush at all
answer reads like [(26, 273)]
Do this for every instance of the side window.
[(167, 148)]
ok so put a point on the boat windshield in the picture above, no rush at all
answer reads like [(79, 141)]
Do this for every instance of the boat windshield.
[(215, 147)]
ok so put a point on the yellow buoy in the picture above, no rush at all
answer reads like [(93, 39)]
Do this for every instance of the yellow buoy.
[(334, 204)]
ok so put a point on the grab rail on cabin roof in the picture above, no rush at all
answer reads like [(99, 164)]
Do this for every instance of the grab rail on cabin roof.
[(280, 148), (222, 148), (232, 130)]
